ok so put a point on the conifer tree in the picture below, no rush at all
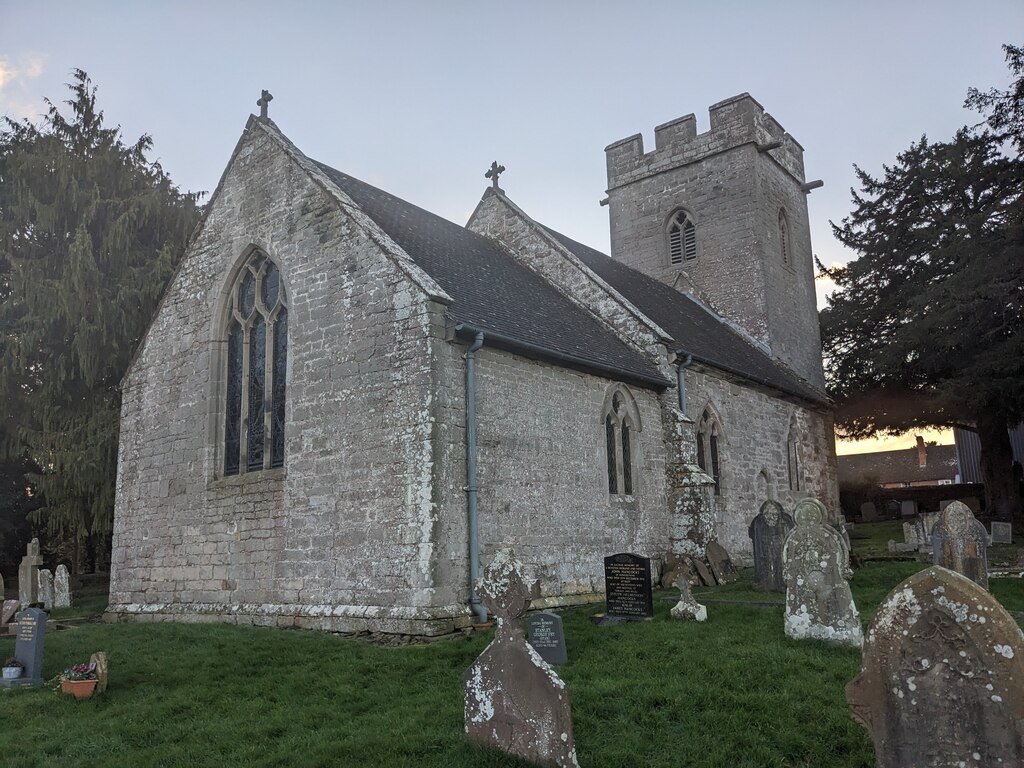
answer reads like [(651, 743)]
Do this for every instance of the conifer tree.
[(927, 325), (90, 231)]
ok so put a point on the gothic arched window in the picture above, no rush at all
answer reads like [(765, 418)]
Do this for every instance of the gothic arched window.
[(621, 426), (257, 360), (682, 238), (709, 437), (784, 245)]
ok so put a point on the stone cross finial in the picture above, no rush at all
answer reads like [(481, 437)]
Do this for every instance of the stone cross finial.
[(494, 173), (265, 98)]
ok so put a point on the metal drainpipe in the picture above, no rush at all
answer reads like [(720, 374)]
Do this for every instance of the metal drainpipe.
[(681, 383), (471, 487)]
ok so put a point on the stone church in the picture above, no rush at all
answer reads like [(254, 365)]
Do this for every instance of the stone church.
[(345, 404)]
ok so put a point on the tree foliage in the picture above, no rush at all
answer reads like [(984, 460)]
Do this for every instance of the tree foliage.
[(926, 327), (90, 231)]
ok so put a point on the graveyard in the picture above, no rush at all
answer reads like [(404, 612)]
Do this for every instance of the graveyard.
[(733, 690)]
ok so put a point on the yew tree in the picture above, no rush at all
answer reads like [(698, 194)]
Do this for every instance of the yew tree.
[(926, 327), (90, 230)]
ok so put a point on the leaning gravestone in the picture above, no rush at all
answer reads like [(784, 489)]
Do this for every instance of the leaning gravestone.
[(627, 585), (514, 700), (815, 566), (28, 648), (544, 632), (960, 543), (28, 578), (687, 608), (61, 587), (1002, 533), (7, 614), (46, 588), (940, 681), (99, 659), (720, 562), (768, 532)]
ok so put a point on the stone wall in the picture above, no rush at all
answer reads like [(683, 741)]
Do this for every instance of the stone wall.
[(343, 536), (753, 453)]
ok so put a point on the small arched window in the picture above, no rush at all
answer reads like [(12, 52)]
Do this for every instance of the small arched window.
[(785, 250), (793, 457), (621, 426), (682, 238), (257, 360), (709, 438)]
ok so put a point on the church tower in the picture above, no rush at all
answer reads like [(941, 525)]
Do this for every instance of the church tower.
[(724, 214)]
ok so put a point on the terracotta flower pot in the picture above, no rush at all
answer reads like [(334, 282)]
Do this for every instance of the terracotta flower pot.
[(80, 689)]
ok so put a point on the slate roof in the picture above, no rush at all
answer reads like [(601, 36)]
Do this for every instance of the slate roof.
[(694, 328), (900, 466), (493, 292)]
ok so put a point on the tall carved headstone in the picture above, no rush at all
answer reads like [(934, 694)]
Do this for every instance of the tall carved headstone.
[(815, 566), (46, 588), (960, 543), (28, 575), (768, 533), (514, 700), (940, 681), (61, 587)]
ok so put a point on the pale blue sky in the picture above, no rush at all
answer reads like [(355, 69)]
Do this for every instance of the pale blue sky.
[(419, 97)]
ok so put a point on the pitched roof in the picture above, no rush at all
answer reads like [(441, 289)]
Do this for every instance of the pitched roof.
[(696, 330), (900, 466), (495, 293)]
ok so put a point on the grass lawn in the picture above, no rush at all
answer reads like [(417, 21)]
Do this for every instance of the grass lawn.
[(733, 692)]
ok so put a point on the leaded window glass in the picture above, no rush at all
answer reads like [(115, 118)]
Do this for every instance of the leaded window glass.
[(613, 472), (620, 427), (257, 363), (709, 434)]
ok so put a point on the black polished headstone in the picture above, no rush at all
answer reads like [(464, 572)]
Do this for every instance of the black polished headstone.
[(544, 632), (627, 586), (28, 648)]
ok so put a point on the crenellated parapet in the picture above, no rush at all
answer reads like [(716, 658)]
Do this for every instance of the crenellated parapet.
[(735, 122)]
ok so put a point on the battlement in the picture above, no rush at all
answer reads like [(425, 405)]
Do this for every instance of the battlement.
[(735, 122)]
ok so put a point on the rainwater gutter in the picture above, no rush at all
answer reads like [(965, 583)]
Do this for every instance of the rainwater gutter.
[(471, 487)]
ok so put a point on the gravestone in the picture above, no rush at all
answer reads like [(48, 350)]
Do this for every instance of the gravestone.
[(720, 562), (707, 578), (544, 632), (688, 608), (28, 575), (9, 609), (627, 586), (1002, 533), (28, 648), (61, 587), (768, 532), (815, 566), (515, 701), (960, 543), (908, 508), (100, 660), (868, 512), (46, 588), (940, 681), (913, 535)]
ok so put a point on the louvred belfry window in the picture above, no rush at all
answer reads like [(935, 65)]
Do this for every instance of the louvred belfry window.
[(257, 360), (682, 238)]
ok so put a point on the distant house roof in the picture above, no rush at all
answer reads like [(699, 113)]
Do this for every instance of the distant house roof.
[(494, 292), (903, 466), (696, 330)]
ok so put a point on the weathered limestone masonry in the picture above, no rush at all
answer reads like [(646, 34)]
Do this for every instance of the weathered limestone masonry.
[(756, 428), (735, 189), (344, 538)]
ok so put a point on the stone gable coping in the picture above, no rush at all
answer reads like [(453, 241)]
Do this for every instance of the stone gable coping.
[(658, 335)]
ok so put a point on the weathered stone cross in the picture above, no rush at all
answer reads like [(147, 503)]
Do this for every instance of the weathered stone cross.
[(265, 98), (496, 170)]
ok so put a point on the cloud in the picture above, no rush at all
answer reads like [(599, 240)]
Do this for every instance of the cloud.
[(16, 98)]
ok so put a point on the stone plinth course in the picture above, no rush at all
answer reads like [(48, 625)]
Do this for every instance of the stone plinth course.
[(515, 701), (816, 565), (942, 678), (960, 543)]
